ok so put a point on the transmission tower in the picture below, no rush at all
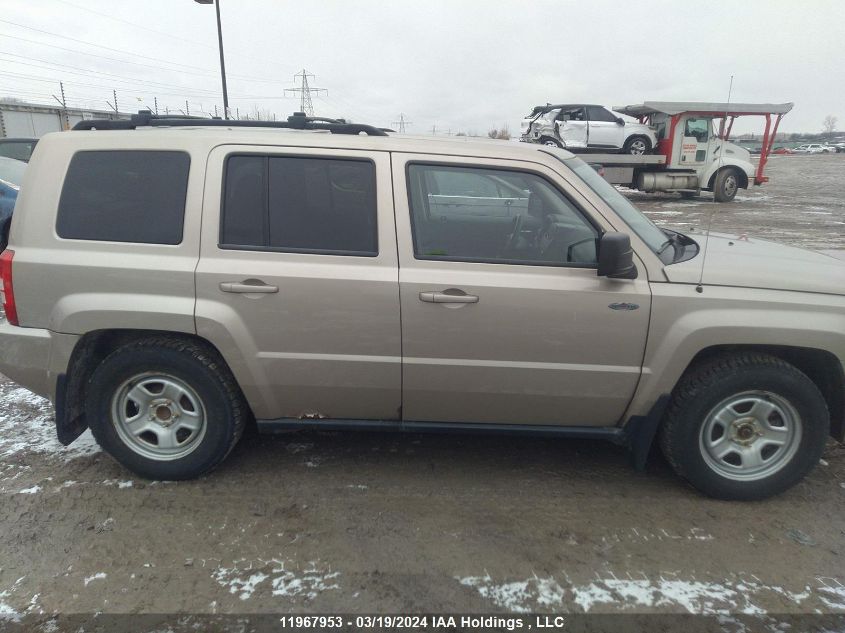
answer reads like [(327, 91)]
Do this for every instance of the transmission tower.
[(305, 91), (402, 123)]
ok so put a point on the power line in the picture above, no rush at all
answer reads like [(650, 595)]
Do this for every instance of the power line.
[(108, 48), (72, 70), (146, 28), (201, 72), (135, 24), (305, 91)]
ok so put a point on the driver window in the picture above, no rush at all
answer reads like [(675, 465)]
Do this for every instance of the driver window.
[(698, 128), (475, 214)]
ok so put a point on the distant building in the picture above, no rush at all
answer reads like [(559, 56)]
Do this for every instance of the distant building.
[(19, 119)]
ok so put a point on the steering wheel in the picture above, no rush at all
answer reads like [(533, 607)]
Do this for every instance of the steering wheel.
[(512, 238)]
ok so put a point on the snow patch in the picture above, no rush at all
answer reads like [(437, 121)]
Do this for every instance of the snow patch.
[(514, 596), (30, 491), (285, 579), (634, 594), (100, 575), (27, 424)]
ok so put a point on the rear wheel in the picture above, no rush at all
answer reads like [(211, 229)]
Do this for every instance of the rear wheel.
[(745, 426), (165, 408), (637, 146), (725, 185), (551, 142)]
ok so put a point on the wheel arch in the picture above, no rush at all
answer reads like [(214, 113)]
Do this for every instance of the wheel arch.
[(636, 135), (740, 172), (820, 366), (546, 137), (91, 349)]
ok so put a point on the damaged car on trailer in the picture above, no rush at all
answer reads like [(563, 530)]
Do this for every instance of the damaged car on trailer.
[(584, 127)]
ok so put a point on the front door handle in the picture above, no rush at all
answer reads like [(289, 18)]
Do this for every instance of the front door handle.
[(250, 286), (443, 297)]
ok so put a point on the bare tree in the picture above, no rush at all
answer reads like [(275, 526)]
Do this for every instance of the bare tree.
[(829, 125), (502, 133)]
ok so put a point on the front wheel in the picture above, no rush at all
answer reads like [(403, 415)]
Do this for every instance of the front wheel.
[(165, 408), (637, 146), (745, 426), (725, 185)]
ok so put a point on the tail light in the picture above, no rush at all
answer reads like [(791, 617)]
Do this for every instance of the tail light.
[(7, 294)]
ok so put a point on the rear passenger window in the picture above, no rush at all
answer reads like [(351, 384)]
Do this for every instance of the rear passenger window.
[(294, 204), (124, 196)]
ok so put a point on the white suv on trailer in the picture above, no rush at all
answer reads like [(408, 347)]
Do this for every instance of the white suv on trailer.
[(582, 127)]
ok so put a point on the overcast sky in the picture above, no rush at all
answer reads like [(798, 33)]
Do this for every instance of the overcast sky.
[(462, 65)]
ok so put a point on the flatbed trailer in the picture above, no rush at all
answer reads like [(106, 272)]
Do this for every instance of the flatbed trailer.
[(694, 152)]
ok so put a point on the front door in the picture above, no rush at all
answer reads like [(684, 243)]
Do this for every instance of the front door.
[(572, 127), (696, 141), (297, 283), (504, 319), (605, 129)]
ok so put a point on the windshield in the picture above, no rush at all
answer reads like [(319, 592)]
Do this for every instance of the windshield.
[(11, 171), (647, 231)]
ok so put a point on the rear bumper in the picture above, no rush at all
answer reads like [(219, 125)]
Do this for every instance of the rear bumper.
[(33, 357)]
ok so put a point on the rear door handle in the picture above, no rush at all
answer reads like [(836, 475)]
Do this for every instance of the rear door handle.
[(256, 287), (442, 297)]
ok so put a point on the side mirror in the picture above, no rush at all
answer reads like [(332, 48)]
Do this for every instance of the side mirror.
[(620, 120), (616, 259)]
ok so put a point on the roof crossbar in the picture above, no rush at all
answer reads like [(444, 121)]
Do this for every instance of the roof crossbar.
[(298, 121)]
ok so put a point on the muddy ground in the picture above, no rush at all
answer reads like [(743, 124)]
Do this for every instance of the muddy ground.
[(365, 522)]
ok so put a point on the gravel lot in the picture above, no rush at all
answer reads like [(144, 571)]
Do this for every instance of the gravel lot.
[(333, 522)]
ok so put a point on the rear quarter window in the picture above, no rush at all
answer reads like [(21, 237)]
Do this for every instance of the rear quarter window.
[(125, 196)]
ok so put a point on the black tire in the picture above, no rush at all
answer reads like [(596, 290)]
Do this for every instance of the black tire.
[(726, 184), (199, 367), (705, 387), (637, 146), (553, 142)]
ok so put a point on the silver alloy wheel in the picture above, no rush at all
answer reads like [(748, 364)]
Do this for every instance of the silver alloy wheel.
[(730, 185), (551, 144), (637, 147), (750, 435), (160, 417)]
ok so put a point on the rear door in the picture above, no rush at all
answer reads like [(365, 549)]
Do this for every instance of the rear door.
[(297, 280), (507, 322)]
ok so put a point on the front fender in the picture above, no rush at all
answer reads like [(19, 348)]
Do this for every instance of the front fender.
[(686, 323), (706, 178)]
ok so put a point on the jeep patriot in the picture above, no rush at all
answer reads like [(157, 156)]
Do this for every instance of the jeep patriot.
[(167, 281)]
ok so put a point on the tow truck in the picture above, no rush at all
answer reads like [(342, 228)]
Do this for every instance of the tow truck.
[(694, 152)]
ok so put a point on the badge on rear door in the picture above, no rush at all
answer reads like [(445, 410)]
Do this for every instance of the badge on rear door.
[(623, 306)]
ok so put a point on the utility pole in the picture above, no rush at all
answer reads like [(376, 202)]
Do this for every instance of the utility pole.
[(114, 105), (155, 102), (63, 103), (434, 130), (402, 123), (305, 91), (215, 110), (187, 110)]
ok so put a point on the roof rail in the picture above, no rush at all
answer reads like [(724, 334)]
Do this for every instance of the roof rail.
[(298, 121)]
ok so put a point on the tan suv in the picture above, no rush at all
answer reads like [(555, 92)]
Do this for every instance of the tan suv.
[(168, 282)]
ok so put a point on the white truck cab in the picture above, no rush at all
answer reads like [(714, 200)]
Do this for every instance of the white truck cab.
[(694, 151)]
